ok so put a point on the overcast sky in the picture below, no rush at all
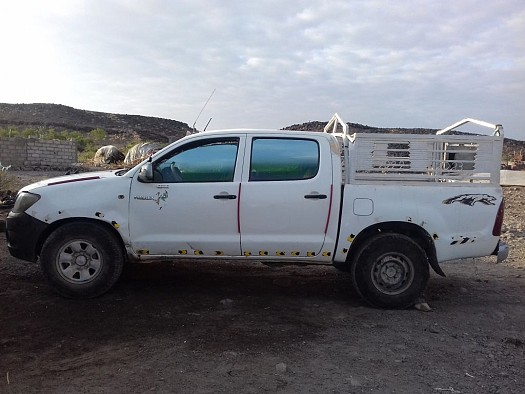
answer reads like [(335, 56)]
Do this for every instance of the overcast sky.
[(271, 63)]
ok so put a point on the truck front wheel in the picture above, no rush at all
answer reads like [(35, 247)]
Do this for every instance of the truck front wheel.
[(390, 271), (82, 260)]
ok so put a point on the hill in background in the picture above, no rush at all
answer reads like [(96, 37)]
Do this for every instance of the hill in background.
[(146, 128), (61, 117)]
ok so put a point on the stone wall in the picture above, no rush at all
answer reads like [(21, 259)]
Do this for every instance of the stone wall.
[(24, 153)]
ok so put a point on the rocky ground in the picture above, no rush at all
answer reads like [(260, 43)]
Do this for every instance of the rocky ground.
[(213, 327)]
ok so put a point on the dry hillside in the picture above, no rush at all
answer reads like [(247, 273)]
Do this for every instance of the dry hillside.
[(61, 117)]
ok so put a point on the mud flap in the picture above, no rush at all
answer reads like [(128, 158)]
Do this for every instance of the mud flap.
[(432, 260)]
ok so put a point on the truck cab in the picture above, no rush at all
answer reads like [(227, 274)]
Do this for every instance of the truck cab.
[(234, 193)]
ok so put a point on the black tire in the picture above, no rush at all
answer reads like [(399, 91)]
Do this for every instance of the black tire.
[(82, 260), (390, 271)]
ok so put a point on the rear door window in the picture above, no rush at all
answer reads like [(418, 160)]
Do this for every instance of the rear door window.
[(283, 159)]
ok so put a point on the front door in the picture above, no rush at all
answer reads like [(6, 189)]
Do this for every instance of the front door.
[(191, 207)]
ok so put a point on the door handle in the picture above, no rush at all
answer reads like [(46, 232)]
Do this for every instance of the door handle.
[(225, 196), (316, 196)]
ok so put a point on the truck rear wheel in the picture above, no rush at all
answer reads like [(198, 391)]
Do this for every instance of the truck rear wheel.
[(390, 271), (82, 260)]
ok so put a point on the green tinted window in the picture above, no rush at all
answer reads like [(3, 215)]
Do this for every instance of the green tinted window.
[(208, 161), (283, 159)]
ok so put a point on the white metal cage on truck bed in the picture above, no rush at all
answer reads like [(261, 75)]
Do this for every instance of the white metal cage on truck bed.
[(372, 157)]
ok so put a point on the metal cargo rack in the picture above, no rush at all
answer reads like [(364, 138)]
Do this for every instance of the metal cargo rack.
[(371, 157)]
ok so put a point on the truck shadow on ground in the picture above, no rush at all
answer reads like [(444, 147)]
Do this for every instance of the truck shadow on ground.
[(238, 279)]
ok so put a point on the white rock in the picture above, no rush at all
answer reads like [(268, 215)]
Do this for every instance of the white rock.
[(227, 301)]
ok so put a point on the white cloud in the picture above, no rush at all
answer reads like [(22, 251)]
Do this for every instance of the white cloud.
[(273, 63)]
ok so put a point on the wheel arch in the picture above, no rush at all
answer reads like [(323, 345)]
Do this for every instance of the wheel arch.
[(411, 230), (59, 223)]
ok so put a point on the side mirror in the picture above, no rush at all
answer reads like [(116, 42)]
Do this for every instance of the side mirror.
[(146, 172)]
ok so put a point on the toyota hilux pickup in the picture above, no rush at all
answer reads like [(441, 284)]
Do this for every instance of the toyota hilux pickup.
[(384, 207)]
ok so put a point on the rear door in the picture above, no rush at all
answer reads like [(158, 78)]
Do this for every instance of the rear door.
[(285, 196)]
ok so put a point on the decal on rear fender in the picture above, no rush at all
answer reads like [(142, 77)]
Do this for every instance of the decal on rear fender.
[(471, 199)]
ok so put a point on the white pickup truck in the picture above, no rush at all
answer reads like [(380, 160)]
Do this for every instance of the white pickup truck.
[(383, 206)]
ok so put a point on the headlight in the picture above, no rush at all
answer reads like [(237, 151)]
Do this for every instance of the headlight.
[(24, 201)]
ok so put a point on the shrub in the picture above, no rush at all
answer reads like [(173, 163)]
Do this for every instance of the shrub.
[(97, 134)]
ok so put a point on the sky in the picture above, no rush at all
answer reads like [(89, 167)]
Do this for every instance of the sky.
[(271, 64)]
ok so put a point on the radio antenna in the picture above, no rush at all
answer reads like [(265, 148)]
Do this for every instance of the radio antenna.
[(202, 109), (207, 124)]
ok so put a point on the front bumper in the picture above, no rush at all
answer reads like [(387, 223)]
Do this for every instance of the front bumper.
[(23, 233), (501, 251)]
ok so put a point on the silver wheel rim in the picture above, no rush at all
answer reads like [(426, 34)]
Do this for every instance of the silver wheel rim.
[(79, 262), (392, 273)]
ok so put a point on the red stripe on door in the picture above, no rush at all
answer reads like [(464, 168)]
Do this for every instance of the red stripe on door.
[(329, 209)]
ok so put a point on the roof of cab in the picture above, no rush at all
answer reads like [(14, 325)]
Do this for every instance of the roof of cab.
[(259, 131)]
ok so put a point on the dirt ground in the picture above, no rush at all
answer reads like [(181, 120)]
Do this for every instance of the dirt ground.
[(208, 327)]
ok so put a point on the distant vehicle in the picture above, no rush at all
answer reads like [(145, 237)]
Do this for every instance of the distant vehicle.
[(383, 206)]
